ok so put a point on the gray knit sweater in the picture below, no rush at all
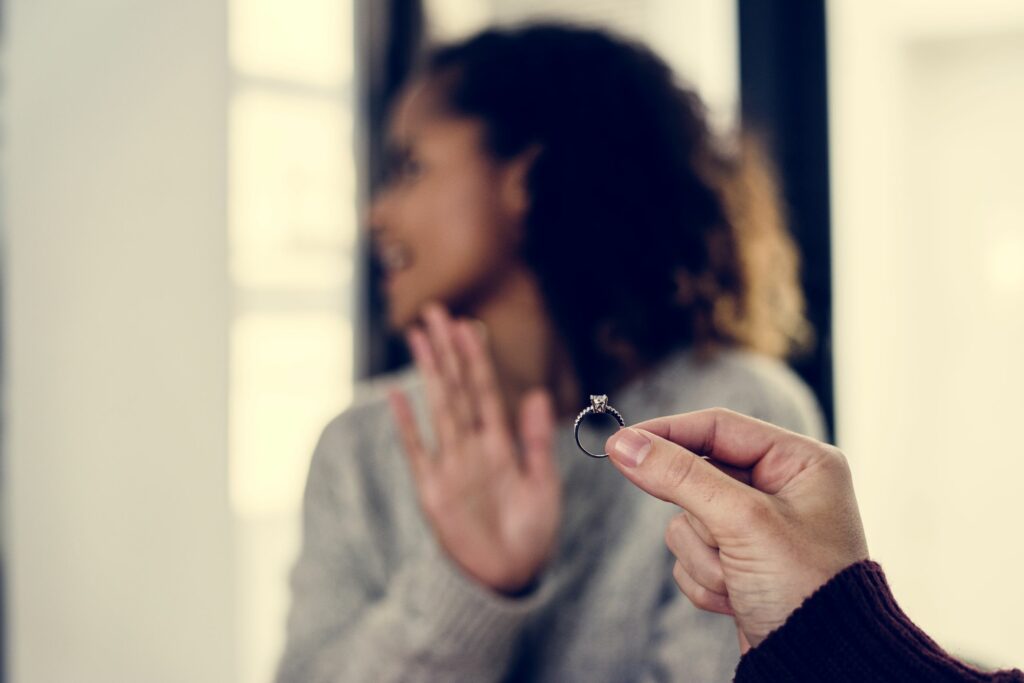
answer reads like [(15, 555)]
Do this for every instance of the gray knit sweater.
[(375, 598)]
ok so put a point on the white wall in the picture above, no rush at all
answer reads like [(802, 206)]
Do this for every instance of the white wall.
[(116, 500), (927, 100)]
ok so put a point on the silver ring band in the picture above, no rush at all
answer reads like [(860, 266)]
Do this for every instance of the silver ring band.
[(598, 406)]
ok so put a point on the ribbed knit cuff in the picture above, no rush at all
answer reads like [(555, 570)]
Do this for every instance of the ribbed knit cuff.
[(851, 629), (460, 622)]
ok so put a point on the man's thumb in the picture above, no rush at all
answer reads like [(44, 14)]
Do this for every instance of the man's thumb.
[(672, 473)]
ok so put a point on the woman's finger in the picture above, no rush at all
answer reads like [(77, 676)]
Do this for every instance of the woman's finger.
[(440, 330), (444, 424), (699, 595), (482, 379), (536, 431), (699, 560), (409, 433)]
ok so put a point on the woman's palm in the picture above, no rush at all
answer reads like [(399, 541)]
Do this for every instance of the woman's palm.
[(494, 505)]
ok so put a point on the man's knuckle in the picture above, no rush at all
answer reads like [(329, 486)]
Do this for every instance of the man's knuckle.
[(676, 524), (838, 458), (669, 535), (705, 602), (703, 598), (679, 469)]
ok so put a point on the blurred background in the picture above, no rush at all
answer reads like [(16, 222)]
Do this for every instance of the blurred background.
[(187, 293)]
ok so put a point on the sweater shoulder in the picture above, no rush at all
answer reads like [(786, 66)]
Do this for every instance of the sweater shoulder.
[(759, 376), (772, 390), (749, 383)]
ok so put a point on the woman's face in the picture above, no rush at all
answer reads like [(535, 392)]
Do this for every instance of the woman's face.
[(446, 226)]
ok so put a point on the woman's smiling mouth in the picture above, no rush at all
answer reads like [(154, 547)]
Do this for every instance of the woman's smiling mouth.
[(394, 258)]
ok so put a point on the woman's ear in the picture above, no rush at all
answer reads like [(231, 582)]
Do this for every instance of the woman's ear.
[(515, 193)]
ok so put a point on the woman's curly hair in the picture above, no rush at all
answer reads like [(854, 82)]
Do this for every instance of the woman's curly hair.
[(646, 232)]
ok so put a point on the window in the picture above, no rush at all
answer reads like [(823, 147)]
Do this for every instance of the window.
[(292, 244)]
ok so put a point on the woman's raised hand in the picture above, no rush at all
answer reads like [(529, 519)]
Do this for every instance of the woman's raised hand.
[(492, 497)]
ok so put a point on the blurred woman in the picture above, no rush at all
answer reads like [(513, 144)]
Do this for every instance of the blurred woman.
[(460, 534)]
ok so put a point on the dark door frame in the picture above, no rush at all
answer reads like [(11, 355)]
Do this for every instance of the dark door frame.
[(784, 97)]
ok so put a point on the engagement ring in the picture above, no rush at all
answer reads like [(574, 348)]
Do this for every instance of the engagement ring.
[(598, 406)]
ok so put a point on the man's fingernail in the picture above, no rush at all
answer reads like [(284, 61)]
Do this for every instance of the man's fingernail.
[(631, 446)]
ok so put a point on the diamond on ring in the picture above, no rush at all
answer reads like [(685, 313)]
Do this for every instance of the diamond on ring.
[(598, 406)]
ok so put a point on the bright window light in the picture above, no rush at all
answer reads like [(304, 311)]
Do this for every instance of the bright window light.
[(292, 190), (290, 374), (306, 43)]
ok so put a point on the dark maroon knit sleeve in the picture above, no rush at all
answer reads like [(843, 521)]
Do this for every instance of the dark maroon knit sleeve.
[(851, 629)]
